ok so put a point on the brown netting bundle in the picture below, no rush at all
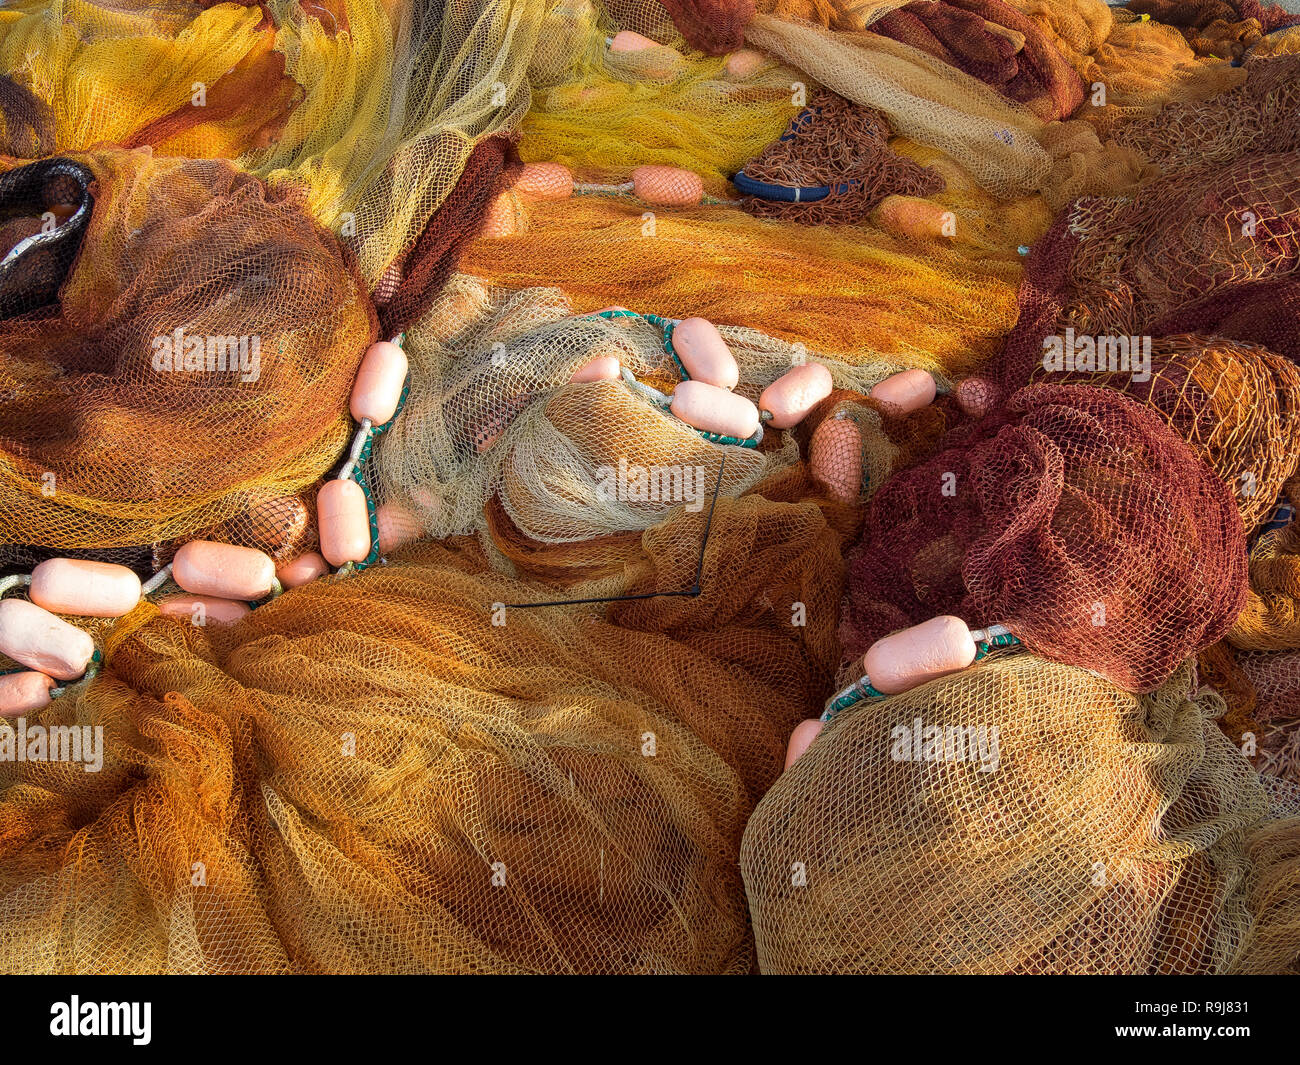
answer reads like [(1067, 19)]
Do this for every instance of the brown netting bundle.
[(1262, 114), (1236, 404), (843, 147), (1181, 255), (370, 774), (1023, 817), (195, 365), (1073, 516), (994, 42), (1197, 14)]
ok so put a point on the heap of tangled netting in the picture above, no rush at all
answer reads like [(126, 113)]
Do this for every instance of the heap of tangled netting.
[(843, 147), (194, 367), (1186, 252), (373, 107), (492, 416), (859, 296), (1076, 518), (1140, 65), (601, 113), (1238, 406), (1260, 115), (1023, 817), (369, 775)]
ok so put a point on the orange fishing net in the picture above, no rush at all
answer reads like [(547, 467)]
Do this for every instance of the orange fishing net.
[(195, 366), (372, 775), (857, 296)]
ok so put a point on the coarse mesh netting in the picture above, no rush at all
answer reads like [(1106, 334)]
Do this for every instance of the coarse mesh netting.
[(195, 366), (1183, 254), (1023, 817), (375, 777), (1237, 405), (1076, 518)]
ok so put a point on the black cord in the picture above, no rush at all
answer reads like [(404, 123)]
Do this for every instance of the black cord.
[(699, 566)]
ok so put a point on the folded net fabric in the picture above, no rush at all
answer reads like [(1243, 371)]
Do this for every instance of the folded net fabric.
[(135, 418), (1076, 828), (369, 775), (1076, 518), (860, 297)]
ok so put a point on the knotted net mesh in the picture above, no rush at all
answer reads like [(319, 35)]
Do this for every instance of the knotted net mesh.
[(1022, 817)]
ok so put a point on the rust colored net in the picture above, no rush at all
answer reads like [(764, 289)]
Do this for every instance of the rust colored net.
[(843, 147), (1076, 518), (1023, 817), (1237, 405), (193, 367)]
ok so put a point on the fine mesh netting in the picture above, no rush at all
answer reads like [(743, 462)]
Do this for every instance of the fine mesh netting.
[(1074, 828), (861, 298), (194, 367), (375, 777)]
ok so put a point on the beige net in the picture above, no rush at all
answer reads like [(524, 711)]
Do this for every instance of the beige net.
[(1022, 817)]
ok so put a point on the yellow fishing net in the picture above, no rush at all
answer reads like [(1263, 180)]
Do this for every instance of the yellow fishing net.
[(371, 775), (856, 295)]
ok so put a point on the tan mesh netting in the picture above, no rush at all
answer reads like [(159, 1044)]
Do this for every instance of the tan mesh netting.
[(1075, 829), (377, 778)]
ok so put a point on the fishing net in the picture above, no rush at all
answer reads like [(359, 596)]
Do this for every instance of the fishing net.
[(195, 365), (861, 297), (1270, 618), (1176, 257), (995, 43), (492, 418), (1076, 518), (1141, 64), (369, 775), (373, 107), (603, 113), (1237, 405), (1261, 114), (844, 148), (1023, 817)]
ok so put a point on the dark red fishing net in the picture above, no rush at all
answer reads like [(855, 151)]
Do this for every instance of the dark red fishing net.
[(712, 26), (995, 43), (1074, 516)]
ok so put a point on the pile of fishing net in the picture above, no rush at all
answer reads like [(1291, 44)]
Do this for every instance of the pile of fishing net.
[(393, 772), (186, 365), (1024, 817), (546, 733)]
